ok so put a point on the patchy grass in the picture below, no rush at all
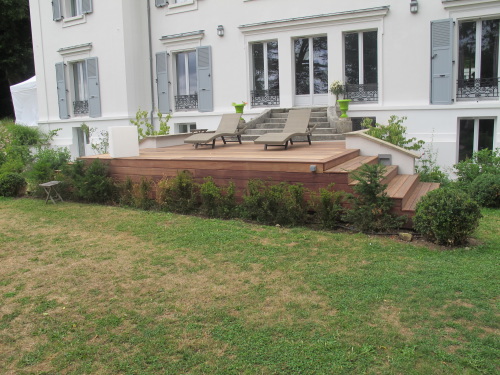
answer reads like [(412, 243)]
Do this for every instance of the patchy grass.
[(102, 290)]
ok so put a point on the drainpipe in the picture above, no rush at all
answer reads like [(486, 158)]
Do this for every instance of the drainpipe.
[(151, 64)]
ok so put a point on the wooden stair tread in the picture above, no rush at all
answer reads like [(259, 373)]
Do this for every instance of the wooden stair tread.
[(352, 164), (401, 185), (390, 172), (421, 189)]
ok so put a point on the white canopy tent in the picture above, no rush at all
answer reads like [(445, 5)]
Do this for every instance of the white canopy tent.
[(25, 102)]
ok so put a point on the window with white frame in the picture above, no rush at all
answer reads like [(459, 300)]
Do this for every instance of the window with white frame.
[(186, 127), (186, 97), (475, 135), (80, 88), (478, 59), (74, 8), (265, 63), (361, 66)]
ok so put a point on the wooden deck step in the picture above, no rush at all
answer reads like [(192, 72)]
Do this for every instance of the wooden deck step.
[(390, 172), (402, 185), (353, 164), (421, 189)]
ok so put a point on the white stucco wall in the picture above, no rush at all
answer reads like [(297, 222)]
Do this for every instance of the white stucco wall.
[(119, 36)]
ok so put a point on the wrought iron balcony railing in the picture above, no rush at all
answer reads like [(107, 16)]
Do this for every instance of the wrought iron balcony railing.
[(81, 107), (478, 88), (361, 93), (186, 102), (261, 98)]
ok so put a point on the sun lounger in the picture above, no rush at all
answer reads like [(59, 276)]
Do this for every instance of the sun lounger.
[(228, 127), (297, 124)]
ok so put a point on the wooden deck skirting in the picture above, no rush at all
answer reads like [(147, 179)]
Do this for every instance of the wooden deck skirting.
[(241, 163)]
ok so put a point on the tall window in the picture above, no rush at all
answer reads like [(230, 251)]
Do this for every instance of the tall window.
[(75, 8), (478, 59), (475, 135), (361, 68), (187, 81), (80, 89), (311, 78), (265, 74)]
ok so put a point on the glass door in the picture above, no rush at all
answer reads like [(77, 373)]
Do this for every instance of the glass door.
[(311, 71)]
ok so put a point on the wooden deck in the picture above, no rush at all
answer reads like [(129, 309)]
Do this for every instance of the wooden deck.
[(241, 163)]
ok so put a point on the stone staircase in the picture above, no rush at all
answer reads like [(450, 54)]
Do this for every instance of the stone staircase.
[(273, 121), (404, 189)]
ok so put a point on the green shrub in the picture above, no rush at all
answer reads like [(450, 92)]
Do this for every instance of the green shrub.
[(45, 164), (92, 184), (447, 216), (179, 194), (485, 189), (481, 162), (11, 184), (125, 192), (282, 203), (328, 206), (217, 201), (394, 133), (370, 206), (142, 194)]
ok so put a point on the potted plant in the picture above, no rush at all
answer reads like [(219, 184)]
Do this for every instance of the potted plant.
[(337, 88), (239, 107)]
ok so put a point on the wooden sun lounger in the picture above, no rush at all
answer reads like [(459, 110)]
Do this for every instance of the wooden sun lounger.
[(228, 127), (297, 124)]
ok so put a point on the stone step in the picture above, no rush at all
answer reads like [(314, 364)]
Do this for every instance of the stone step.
[(269, 123), (279, 115)]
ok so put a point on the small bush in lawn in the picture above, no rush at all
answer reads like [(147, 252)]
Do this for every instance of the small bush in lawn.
[(485, 189), (447, 216), (370, 206), (125, 195), (45, 165), (94, 186), (328, 205), (179, 194), (217, 201), (141, 194), (11, 184), (481, 162), (282, 203)]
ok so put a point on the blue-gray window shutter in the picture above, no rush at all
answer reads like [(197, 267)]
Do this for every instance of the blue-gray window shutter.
[(160, 3), (204, 73), (442, 61), (62, 96), (56, 10), (162, 82), (86, 6), (93, 86)]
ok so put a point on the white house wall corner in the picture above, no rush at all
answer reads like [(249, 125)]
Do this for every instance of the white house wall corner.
[(253, 58)]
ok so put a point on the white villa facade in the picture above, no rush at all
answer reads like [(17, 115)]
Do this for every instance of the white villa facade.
[(436, 62)]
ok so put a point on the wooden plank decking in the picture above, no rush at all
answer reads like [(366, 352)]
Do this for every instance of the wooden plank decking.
[(241, 163)]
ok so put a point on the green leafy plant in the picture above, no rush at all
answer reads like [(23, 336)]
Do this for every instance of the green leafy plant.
[(11, 184), (142, 194), (394, 133), (91, 182), (370, 206), (178, 194), (328, 205), (447, 216), (428, 169), (485, 189), (45, 165), (337, 88), (281, 203), (217, 201), (144, 126), (102, 145), (483, 161)]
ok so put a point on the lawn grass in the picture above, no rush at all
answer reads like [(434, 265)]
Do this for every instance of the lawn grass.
[(87, 289)]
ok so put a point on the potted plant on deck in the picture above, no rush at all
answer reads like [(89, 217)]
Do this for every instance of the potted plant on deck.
[(337, 88)]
